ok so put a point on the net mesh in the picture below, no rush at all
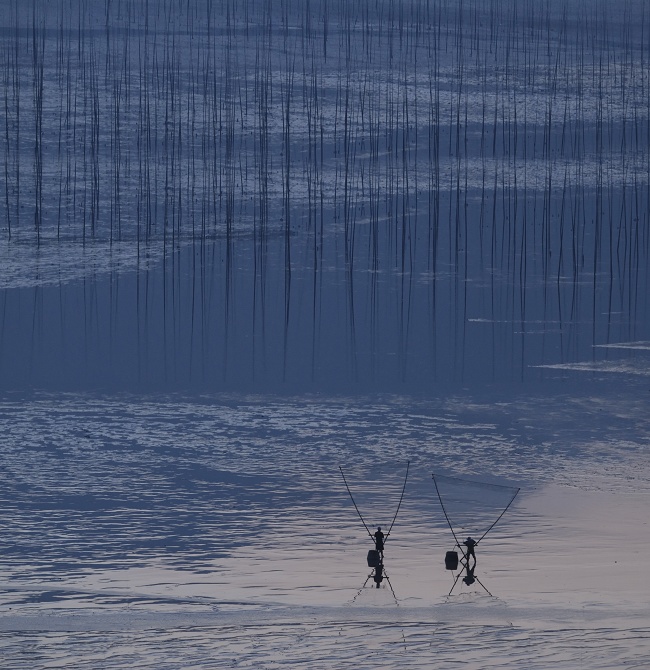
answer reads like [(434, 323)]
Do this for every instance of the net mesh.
[(377, 493), (472, 508)]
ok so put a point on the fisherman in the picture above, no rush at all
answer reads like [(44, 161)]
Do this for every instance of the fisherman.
[(470, 544), (379, 541)]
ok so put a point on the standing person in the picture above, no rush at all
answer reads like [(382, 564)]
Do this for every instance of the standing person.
[(379, 541), (470, 544)]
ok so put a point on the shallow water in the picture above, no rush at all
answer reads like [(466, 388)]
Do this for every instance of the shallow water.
[(243, 244), (217, 530)]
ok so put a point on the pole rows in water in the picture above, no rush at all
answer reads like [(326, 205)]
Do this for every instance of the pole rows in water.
[(413, 134)]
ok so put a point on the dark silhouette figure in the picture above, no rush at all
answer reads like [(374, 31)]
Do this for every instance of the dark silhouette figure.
[(470, 553), (379, 541), (469, 578), (378, 575)]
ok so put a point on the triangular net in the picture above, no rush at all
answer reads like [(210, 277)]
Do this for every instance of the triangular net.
[(472, 508), (377, 493)]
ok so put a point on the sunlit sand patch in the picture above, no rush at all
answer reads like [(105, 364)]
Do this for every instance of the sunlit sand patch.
[(636, 367), (641, 346)]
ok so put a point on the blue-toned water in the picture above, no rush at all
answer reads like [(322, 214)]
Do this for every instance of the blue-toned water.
[(243, 244)]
